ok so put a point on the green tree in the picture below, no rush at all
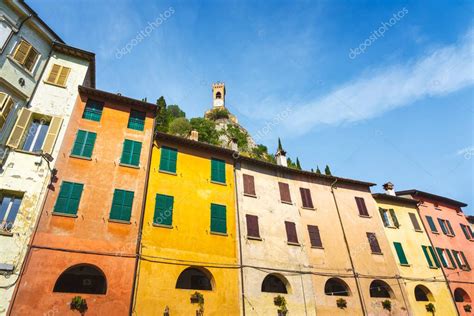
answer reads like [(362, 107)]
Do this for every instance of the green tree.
[(235, 133), (317, 170), (174, 112), (161, 117), (260, 151), (180, 126), (290, 163), (298, 165), (206, 129), (327, 171)]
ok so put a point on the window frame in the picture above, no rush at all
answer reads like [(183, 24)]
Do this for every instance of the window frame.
[(122, 206), (168, 159), (91, 110), (67, 212), (128, 160), (83, 146), (5, 228), (55, 82), (9, 37), (136, 120), (161, 206), (22, 63), (215, 208), (218, 175)]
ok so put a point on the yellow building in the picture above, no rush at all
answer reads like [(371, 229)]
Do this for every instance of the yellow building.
[(417, 262), (189, 241)]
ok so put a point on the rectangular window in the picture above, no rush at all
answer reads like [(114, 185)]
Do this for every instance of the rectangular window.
[(9, 206), (314, 236), (122, 205), (461, 260), (306, 198), (252, 226), (93, 110), (389, 218), (442, 224), (5, 33), (431, 262), (6, 105), (35, 136), (58, 75), (291, 235), (374, 243), (217, 170), (450, 228), (400, 253), (25, 55), (163, 210), (136, 120), (414, 221), (218, 219), (466, 230), (434, 256), (361, 206), (451, 258), (249, 185), (168, 159), (284, 192), (131, 153), (84, 144), (68, 198), (442, 257), (431, 223)]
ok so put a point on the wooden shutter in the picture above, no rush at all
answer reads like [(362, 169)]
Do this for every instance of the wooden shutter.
[(69, 197), (122, 204), (31, 59), (24, 118), (126, 152), (218, 218), (163, 210), (431, 223), (442, 224), (79, 143), (361, 206), (217, 170), (21, 52), (63, 75), (53, 131), (451, 258), (456, 257), (136, 150), (394, 217), (89, 144), (291, 235), (427, 256), (465, 230), (54, 73), (249, 184), (306, 198), (252, 226), (400, 253), (441, 257), (435, 257), (414, 221), (466, 264), (136, 120), (374, 243), (314, 236), (450, 228), (384, 218), (6, 104), (284, 192)]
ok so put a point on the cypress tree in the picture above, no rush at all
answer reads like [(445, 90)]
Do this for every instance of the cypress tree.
[(317, 170), (298, 165), (327, 171)]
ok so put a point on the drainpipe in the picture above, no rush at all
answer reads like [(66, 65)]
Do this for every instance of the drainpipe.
[(401, 291), (239, 237), (138, 250), (442, 270), (348, 249)]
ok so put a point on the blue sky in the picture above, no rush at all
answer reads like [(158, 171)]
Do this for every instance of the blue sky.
[(400, 109)]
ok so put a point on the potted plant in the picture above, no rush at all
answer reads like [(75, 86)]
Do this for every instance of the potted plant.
[(467, 308), (430, 308), (78, 303), (280, 301), (387, 304), (198, 298), (341, 303)]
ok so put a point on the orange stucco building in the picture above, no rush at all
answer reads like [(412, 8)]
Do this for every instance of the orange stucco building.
[(86, 239)]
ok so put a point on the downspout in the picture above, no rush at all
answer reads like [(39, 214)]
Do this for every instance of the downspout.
[(401, 291), (239, 237), (434, 250), (348, 249), (138, 249)]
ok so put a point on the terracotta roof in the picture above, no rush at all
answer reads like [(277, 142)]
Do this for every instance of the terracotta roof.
[(396, 199), (416, 193)]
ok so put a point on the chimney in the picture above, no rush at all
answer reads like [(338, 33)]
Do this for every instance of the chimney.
[(280, 155), (388, 187), (194, 135)]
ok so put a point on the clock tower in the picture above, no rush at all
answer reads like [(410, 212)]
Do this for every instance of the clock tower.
[(218, 95)]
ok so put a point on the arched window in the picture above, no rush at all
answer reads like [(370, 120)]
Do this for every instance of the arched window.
[(82, 278), (218, 95), (423, 294), (274, 284), (461, 296), (195, 279), (336, 287), (379, 288)]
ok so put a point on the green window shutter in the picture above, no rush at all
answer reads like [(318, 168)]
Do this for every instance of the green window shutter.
[(79, 143), (400, 253), (131, 152), (451, 258), (432, 224), (384, 218), (442, 224), (451, 230), (394, 217), (218, 170), (137, 148), (464, 229), (465, 260), (163, 210), (435, 257), (136, 120), (93, 110), (441, 257), (84, 144), (122, 205), (456, 257), (168, 159), (218, 219), (68, 198), (89, 144), (427, 256)]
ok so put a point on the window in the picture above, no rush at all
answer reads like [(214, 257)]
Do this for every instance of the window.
[(131, 153), (5, 33), (34, 132), (136, 120), (285, 196), (6, 105), (168, 159), (68, 198), (467, 231), (195, 279), (461, 260), (93, 110), (274, 284), (379, 288), (291, 235), (446, 258), (249, 185), (422, 294), (163, 210), (336, 287), (432, 225), (84, 144), (217, 170), (314, 236), (218, 219), (25, 55), (58, 75), (83, 278), (306, 198), (361, 206), (430, 257), (400, 253), (122, 205), (9, 206), (374, 244), (389, 218), (218, 95), (461, 296), (446, 227), (252, 226), (414, 222)]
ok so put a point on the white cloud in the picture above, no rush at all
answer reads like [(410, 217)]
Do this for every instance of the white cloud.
[(442, 71)]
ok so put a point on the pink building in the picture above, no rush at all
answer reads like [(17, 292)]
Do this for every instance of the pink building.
[(453, 239)]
